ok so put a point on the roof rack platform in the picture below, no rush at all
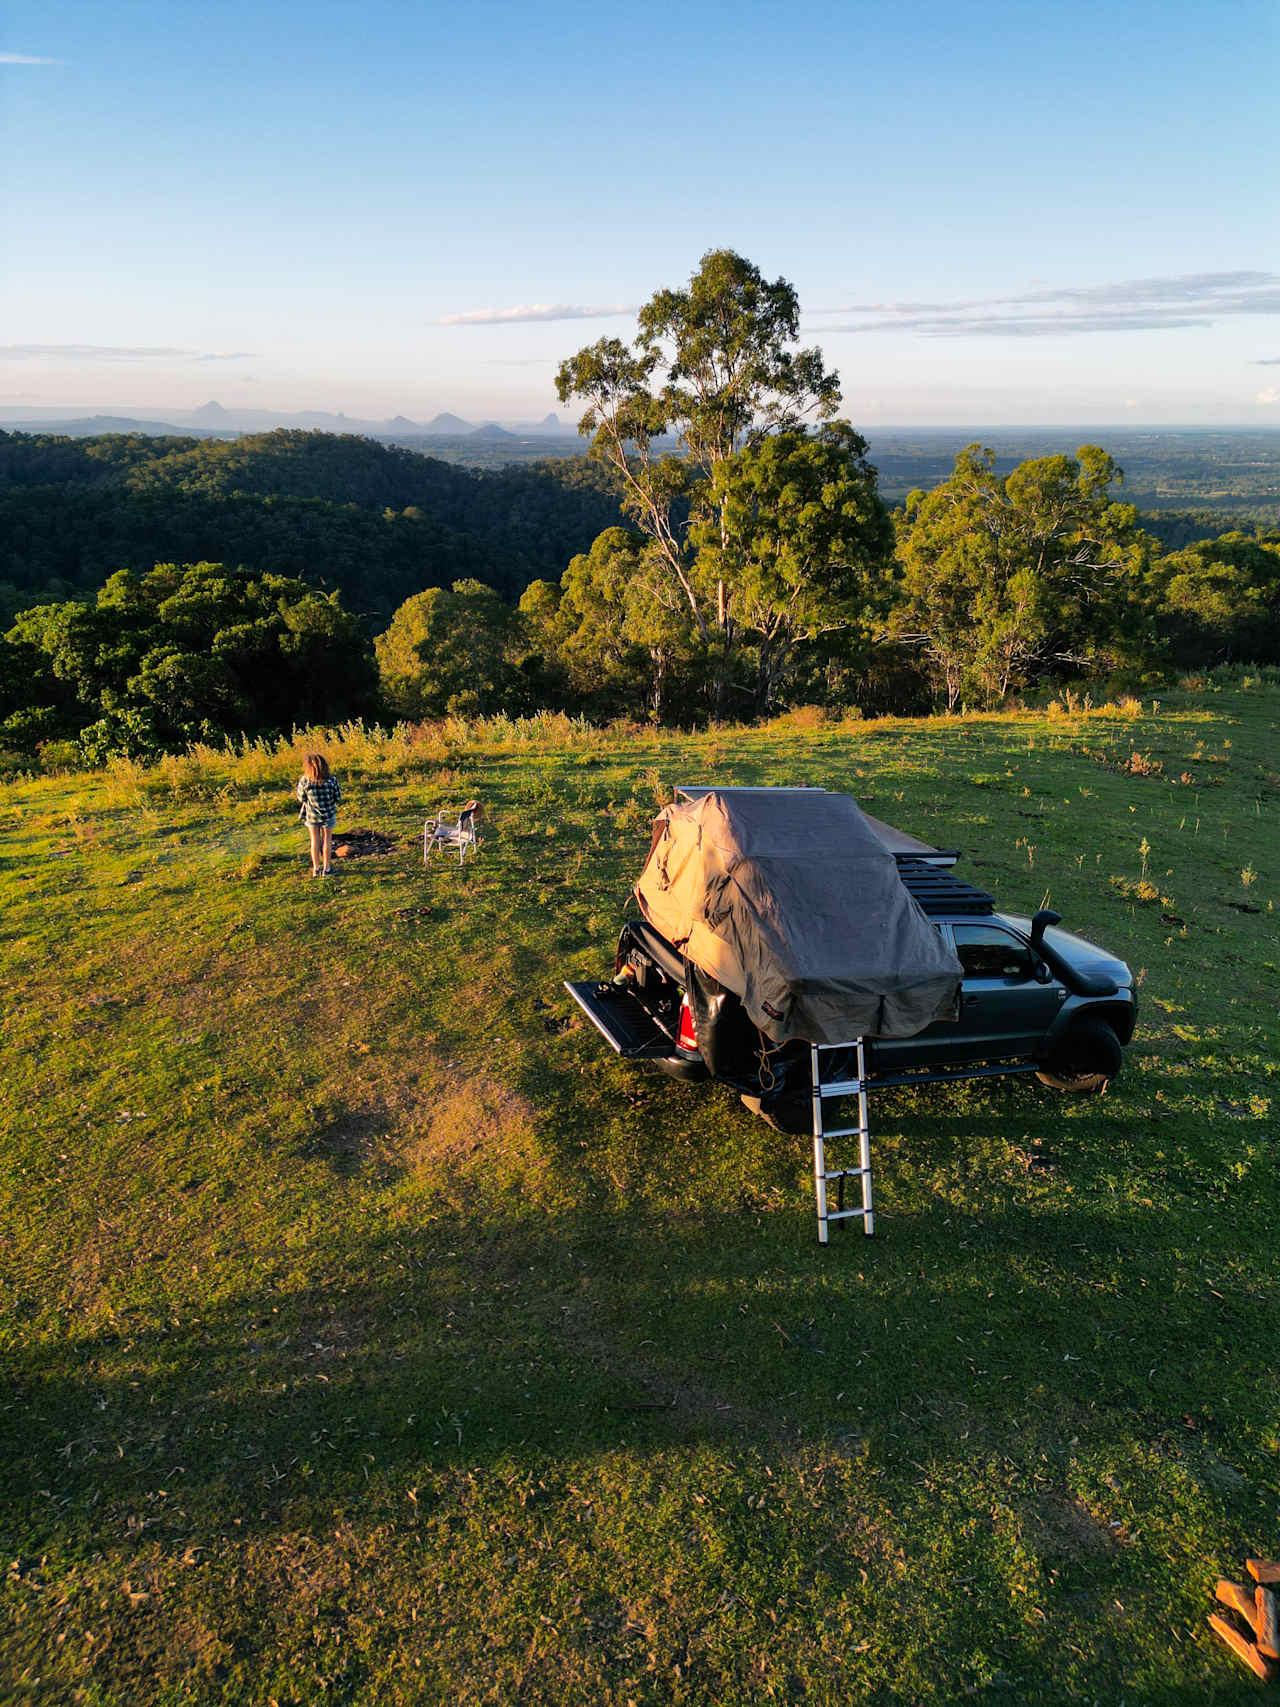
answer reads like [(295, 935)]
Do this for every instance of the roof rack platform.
[(940, 893)]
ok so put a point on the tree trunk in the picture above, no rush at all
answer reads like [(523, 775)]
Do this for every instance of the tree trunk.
[(771, 661), (724, 665), (953, 680)]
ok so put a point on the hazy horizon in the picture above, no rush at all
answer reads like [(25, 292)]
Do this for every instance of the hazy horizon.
[(181, 416)]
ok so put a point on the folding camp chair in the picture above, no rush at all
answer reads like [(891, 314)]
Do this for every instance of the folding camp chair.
[(445, 830)]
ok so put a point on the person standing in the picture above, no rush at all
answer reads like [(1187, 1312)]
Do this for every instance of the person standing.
[(318, 794)]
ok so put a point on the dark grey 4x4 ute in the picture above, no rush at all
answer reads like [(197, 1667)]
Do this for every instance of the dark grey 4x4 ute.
[(1033, 999)]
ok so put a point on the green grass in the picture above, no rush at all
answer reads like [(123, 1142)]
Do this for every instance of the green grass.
[(372, 1335)]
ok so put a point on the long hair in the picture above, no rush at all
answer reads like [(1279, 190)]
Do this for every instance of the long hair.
[(315, 767)]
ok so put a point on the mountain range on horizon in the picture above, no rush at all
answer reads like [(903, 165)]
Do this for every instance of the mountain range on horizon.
[(213, 418)]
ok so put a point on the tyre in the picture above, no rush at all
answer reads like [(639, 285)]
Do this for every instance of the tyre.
[(1088, 1058)]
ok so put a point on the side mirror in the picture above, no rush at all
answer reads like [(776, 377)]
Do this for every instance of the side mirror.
[(1042, 974), (1043, 919)]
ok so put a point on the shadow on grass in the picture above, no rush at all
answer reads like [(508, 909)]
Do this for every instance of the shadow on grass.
[(1023, 1333), (999, 1388)]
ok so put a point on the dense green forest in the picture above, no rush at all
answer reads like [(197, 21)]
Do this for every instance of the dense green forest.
[(375, 522), (726, 549)]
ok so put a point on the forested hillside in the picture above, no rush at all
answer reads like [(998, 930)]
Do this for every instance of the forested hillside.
[(726, 551), (374, 521)]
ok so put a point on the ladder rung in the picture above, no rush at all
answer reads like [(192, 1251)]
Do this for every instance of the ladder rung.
[(847, 1173), (841, 1087), (847, 1214), (841, 1132)]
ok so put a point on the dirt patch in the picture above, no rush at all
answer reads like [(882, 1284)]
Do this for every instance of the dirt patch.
[(1060, 1526), (430, 1119), (362, 844), (472, 1116)]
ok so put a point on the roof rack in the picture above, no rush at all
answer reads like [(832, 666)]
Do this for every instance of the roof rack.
[(939, 893)]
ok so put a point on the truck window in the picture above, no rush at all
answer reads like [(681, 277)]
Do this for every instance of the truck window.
[(986, 951)]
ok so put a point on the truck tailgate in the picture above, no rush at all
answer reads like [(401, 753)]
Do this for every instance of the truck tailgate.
[(624, 1022)]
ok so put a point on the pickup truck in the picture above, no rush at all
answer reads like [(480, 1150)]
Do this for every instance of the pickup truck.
[(1034, 999)]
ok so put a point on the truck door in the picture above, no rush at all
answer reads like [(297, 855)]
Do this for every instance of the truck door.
[(1004, 1008)]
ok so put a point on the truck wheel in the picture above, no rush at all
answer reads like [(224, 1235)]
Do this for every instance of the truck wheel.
[(1090, 1056)]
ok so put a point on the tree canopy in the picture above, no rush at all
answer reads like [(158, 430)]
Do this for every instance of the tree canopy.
[(448, 651), (1005, 579), (703, 422), (756, 570), (194, 650), (1219, 600), (374, 521)]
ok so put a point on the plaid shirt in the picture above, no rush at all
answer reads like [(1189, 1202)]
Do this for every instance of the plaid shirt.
[(319, 800)]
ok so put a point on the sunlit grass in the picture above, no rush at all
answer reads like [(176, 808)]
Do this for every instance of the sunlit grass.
[(373, 1335)]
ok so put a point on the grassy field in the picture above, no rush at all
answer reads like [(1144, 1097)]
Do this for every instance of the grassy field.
[(371, 1334)]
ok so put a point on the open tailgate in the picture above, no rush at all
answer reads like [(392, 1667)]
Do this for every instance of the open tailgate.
[(622, 1020)]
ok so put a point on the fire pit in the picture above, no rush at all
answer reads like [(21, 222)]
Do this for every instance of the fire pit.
[(359, 844)]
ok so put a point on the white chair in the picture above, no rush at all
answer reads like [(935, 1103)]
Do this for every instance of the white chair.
[(446, 830)]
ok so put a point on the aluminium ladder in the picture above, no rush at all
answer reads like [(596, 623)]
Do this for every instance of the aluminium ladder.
[(822, 1175)]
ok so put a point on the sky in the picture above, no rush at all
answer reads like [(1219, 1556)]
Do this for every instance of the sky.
[(997, 215)]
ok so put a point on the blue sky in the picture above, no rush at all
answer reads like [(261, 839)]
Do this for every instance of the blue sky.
[(1014, 213)]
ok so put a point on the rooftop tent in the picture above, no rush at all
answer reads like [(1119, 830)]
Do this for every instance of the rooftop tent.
[(790, 899)]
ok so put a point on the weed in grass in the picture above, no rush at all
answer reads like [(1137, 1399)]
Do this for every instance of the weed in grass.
[(1142, 764)]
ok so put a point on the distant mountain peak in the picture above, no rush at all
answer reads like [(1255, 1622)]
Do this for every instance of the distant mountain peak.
[(447, 423), (491, 430), (210, 411)]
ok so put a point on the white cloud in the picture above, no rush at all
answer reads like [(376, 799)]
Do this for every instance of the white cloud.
[(1270, 395), (534, 311), (26, 59), (111, 353), (1129, 305)]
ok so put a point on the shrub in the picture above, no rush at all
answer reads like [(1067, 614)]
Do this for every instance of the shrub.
[(130, 733), (1142, 764), (58, 757)]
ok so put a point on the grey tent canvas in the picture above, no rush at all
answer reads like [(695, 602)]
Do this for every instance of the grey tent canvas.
[(793, 902)]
